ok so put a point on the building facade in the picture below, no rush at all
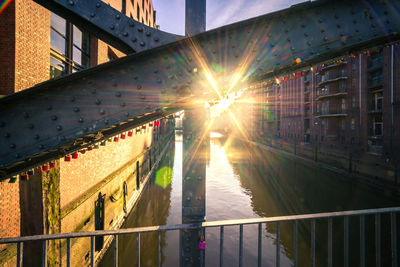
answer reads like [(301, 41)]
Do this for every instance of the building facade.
[(348, 108), (38, 45)]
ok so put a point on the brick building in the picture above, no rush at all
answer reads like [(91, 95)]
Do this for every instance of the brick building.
[(347, 107), (38, 45)]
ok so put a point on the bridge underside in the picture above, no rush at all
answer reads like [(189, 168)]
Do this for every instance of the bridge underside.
[(59, 116)]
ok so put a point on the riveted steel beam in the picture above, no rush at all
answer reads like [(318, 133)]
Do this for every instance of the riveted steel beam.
[(56, 114), (109, 25)]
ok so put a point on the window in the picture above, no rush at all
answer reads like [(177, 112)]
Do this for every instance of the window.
[(342, 86), (343, 105), (377, 126), (343, 124), (353, 102), (378, 98), (69, 47), (353, 124)]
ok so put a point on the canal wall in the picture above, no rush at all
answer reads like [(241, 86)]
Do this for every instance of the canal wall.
[(95, 191)]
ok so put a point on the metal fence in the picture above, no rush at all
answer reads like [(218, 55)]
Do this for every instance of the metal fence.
[(295, 219)]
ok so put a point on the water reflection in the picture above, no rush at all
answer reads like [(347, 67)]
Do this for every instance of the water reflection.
[(246, 182)]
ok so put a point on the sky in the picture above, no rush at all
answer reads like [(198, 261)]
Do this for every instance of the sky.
[(171, 13)]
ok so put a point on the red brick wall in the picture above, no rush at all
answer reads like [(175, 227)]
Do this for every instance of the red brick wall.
[(7, 50), (79, 175), (9, 209), (32, 44)]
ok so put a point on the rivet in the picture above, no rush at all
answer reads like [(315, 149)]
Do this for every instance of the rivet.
[(17, 156), (41, 146), (142, 43), (123, 104), (54, 117), (125, 34), (338, 26), (156, 39), (131, 24), (325, 38), (319, 20), (102, 111), (13, 146), (7, 135), (127, 114), (59, 127), (117, 16), (118, 94), (106, 121), (305, 34), (148, 34), (134, 40), (80, 120), (36, 136), (98, 101), (71, 3), (140, 29), (139, 86), (76, 109), (112, 27), (31, 126), (98, 5), (85, 129), (72, 98), (92, 15)]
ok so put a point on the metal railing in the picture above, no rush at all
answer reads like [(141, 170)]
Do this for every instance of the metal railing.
[(221, 224)]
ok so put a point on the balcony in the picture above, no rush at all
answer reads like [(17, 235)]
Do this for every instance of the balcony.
[(375, 64), (332, 113), (326, 94), (333, 65), (332, 78), (375, 82)]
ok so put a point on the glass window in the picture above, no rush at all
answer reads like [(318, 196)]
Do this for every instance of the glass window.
[(57, 67), (65, 59), (59, 24), (58, 42), (353, 124)]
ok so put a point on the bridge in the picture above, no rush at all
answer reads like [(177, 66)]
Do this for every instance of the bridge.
[(66, 114), (165, 73)]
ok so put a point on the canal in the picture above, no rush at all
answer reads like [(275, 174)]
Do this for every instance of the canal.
[(243, 182)]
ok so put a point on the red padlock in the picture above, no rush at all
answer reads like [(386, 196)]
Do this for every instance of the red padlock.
[(53, 164), (116, 139), (46, 167), (123, 136), (75, 155), (130, 133), (67, 158)]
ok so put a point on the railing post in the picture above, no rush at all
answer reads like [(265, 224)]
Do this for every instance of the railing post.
[(138, 249), (394, 239), (241, 245), (362, 240), (278, 245), (221, 247), (295, 242), (20, 250), (91, 251), (378, 239), (68, 252), (159, 248), (259, 244), (313, 242), (330, 242), (346, 241), (115, 250), (44, 253)]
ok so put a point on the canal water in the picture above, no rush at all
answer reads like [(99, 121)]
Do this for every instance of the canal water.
[(244, 182)]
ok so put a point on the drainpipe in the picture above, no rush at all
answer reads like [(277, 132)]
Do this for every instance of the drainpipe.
[(394, 159)]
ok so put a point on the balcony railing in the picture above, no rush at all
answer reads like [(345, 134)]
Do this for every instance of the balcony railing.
[(295, 219), (326, 78)]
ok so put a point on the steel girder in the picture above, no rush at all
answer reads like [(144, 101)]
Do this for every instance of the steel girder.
[(56, 116), (108, 24)]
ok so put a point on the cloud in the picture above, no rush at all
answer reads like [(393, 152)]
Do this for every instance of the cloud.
[(225, 12)]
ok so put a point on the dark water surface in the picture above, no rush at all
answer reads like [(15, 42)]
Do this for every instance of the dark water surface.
[(244, 182)]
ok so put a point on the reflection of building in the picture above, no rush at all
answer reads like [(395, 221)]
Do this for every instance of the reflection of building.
[(38, 45), (348, 106)]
